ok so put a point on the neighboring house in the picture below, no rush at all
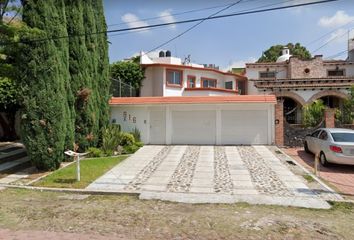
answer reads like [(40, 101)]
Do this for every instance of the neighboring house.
[(299, 82), (185, 103)]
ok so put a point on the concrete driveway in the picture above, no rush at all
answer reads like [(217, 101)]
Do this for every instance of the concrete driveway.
[(209, 174)]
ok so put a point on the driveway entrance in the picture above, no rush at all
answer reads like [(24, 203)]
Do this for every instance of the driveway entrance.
[(202, 174)]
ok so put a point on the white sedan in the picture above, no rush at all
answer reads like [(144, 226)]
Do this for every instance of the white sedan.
[(333, 145)]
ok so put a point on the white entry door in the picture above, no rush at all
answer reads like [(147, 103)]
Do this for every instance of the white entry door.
[(244, 127), (194, 127), (157, 127)]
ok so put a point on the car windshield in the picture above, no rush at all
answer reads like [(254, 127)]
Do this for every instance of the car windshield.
[(343, 137)]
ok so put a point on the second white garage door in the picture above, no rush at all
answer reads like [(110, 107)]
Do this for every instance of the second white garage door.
[(194, 127), (233, 127), (244, 127)]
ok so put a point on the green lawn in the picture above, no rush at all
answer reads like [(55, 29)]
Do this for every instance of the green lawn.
[(91, 169)]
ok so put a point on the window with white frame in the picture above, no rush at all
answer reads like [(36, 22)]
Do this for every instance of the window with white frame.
[(208, 83), (174, 77)]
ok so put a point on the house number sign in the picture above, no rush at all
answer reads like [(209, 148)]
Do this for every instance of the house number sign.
[(130, 118)]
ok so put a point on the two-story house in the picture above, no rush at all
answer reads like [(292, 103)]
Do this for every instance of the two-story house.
[(299, 82), (168, 76)]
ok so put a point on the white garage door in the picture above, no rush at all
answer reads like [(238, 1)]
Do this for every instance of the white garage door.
[(193, 127), (244, 127)]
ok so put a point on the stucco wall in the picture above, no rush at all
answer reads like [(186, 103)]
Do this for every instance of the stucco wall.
[(154, 83), (130, 117)]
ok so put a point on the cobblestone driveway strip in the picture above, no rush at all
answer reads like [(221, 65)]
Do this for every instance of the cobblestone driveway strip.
[(182, 177), (264, 178), (222, 178), (147, 171)]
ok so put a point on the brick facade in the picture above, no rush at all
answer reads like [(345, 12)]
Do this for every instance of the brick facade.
[(279, 123), (330, 117), (312, 68)]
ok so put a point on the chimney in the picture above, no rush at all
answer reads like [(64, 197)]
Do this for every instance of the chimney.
[(285, 51)]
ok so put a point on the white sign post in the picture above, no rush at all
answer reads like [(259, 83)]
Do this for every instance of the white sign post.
[(76, 156)]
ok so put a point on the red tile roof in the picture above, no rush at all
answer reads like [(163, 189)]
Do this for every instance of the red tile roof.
[(193, 99)]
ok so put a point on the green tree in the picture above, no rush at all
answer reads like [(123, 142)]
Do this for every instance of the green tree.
[(9, 26), (272, 54), (312, 113), (129, 72), (346, 116), (104, 82), (45, 120), (88, 63)]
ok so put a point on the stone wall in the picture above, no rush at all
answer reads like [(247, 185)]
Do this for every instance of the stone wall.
[(330, 117), (294, 135), (312, 68)]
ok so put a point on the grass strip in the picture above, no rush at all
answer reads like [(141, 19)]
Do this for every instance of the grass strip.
[(90, 170)]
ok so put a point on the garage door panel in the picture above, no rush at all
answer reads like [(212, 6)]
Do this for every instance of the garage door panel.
[(244, 127), (193, 127), (157, 127)]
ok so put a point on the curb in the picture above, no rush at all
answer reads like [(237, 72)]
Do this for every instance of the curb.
[(70, 190)]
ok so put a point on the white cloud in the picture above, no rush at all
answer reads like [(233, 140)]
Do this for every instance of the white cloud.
[(338, 19), (239, 63), (133, 21), (167, 17)]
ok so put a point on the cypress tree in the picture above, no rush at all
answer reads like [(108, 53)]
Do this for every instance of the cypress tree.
[(88, 60), (81, 75), (46, 122), (103, 64)]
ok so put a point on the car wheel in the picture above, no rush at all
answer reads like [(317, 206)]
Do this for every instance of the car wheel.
[(323, 160), (306, 147)]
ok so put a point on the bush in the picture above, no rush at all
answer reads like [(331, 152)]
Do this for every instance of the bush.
[(347, 115), (126, 139), (130, 149), (111, 136), (136, 134), (313, 113), (139, 144), (95, 152)]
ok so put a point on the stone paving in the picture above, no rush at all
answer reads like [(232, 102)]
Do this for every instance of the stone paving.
[(339, 176), (208, 174)]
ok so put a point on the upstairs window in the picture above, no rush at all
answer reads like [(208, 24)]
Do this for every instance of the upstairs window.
[(336, 73), (191, 82), (270, 74), (208, 83), (229, 85), (174, 77)]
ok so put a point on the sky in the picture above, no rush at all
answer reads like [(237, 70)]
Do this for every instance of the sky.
[(228, 42)]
